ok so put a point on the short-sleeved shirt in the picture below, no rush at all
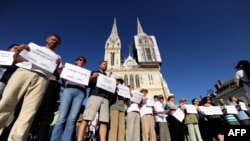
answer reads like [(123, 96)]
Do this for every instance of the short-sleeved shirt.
[(241, 75), (98, 91)]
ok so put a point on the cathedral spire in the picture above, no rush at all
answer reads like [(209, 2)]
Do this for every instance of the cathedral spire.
[(139, 28), (113, 49), (114, 33)]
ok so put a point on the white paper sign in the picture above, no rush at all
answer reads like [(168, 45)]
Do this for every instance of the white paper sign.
[(179, 114), (216, 110), (6, 58), (231, 110), (75, 74), (150, 102), (41, 57), (190, 108), (206, 110), (106, 83), (158, 107), (137, 96), (123, 91), (243, 106)]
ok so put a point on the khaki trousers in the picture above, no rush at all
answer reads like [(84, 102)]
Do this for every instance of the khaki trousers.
[(133, 131), (25, 83), (148, 128), (164, 131), (117, 126), (194, 132)]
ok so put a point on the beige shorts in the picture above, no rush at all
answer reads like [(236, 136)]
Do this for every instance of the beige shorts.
[(97, 104)]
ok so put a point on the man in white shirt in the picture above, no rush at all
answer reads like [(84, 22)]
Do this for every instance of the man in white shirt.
[(133, 119), (28, 81), (160, 119), (147, 118)]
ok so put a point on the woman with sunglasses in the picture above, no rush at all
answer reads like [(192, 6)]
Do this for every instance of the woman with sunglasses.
[(71, 101)]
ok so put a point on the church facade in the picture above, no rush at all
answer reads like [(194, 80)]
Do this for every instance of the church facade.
[(142, 67)]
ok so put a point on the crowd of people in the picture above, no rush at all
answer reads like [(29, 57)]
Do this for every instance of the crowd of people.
[(33, 97)]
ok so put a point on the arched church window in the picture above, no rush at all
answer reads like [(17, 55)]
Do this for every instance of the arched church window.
[(137, 81), (148, 54), (131, 80), (112, 58), (126, 80), (140, 41)]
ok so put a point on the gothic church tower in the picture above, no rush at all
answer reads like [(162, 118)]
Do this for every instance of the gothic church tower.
[(145, 49), (113, 49), (142, 68)]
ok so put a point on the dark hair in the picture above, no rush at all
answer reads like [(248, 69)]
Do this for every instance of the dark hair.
[(57, 36), (11, 46), (230, 98), (156, 96), (204, 99), (102, 62), (193, 100), (79, 57)]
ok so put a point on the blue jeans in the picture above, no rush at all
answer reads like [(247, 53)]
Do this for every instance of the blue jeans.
[(70, 103), (2, 86)]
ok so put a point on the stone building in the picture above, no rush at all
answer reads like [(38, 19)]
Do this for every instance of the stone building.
[(142, 67)]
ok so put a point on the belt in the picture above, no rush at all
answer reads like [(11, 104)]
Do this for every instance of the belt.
[(77, 87)]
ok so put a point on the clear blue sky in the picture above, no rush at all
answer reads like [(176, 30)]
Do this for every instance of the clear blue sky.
[(199, 40)]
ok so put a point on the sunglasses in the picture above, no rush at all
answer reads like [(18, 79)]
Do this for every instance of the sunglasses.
[(80, 59)]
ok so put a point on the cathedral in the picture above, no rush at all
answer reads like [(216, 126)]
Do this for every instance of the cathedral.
[(142, 67)]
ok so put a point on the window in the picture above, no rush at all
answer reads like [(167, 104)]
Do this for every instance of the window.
[(112, 58), (131, 80), (148, 54), (137, 81), (126, 80)]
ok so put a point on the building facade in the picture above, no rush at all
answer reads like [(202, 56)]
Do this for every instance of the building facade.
[(227, 89), (142, 67)]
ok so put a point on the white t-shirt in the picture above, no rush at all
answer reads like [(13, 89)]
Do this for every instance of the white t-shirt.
[(158, 108), (241, 75), (133, 107), (146, 109)]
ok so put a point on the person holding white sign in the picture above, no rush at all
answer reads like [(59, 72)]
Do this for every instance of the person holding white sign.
[(230, 118), (7, 71), (160, 118), (98, 101), (215, 123), (31, 82), (133, 118), (117, 115), (191, 120), (147, 119), (242, 116), (175, 126), (70, 104)]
